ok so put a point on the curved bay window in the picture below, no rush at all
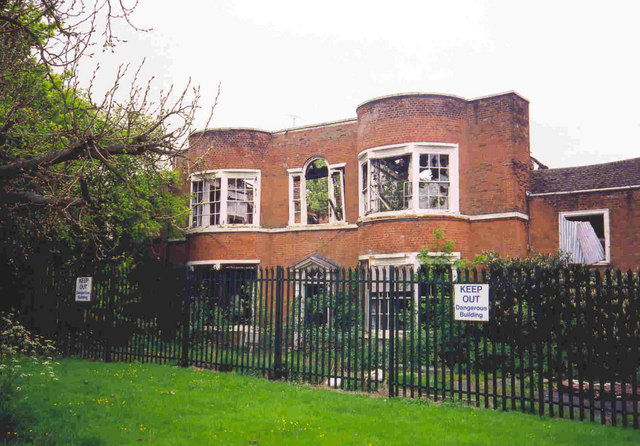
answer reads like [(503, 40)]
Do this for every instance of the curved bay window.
[(316, 193), (225, 197), (415, 178)]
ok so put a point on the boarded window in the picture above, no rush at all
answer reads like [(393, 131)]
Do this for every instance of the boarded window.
[(583, 237)]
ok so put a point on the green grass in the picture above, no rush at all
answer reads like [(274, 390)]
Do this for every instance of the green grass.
[(118, 404)]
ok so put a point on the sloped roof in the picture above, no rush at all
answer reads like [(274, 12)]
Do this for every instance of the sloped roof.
[(596, 176)]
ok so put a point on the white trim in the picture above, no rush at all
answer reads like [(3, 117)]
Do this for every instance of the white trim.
[(296, 228), (341, 226), (217, 263), (498, 216), (408, 213), (406, 146), (205, 174), (414, 149), (411, 256), (582, 191), (607, 232)]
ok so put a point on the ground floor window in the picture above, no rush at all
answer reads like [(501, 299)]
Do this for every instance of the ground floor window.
[(225, 290), (390, 298), (314, 292)]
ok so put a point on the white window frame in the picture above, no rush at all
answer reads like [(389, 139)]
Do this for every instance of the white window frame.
[(217, 264), (332, 168), (224, 175), (415, 149), (400, 259), (607, 232)]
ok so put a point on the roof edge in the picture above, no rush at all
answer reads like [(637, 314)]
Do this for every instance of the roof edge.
[(444, 95)]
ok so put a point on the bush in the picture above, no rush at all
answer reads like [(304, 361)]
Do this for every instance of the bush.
[(16, 345)]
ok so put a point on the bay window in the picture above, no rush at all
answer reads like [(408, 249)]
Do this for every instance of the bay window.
[(225, 197), (390, 176)]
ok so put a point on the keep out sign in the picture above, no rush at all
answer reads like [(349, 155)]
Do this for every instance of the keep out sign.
[(471, 302)]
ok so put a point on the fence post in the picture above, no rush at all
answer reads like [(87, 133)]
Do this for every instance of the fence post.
[(277, 360), (108, 317), (392, 328), (186, 310)]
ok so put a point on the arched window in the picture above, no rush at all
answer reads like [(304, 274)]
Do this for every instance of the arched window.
[(316, 193)]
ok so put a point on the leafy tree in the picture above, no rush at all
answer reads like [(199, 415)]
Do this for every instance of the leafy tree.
[(81, 178)]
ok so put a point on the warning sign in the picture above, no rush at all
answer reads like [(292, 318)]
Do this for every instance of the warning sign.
[(83, 289), (471, 302)]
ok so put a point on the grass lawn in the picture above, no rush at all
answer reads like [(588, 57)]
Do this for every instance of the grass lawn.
[(119, 404)]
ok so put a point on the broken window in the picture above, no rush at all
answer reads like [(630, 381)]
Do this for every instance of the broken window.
[(317, 194), (390, 177), (584, 236), (240, 201), (434, 181), (224, 198), (390, 184), (297, 204)]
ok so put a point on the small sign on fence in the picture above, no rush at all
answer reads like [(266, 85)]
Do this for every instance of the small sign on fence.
[(83, 289), (471, 302)]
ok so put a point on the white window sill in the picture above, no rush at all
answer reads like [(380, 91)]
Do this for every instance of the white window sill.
[(247, 228), (321, 227), (408, 213), (221, 228)]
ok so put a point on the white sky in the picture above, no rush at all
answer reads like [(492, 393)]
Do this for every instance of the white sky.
[(577, 62)]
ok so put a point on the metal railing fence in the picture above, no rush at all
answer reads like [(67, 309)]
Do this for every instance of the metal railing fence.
[(559, 342)]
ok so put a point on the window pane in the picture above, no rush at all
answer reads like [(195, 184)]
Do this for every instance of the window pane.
[(337, 177), (390, 184), (214, 198), (365, 188), (240, 201), (197, 190), (434, 181), (297, 204)]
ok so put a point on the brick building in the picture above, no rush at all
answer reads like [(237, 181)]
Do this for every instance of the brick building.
[(373, 189)]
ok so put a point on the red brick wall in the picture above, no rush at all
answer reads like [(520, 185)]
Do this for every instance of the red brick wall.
[(507, 237), (494, 168), (624, 221), (492, 135)]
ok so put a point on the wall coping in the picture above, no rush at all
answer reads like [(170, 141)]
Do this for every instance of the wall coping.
[(442, 95)]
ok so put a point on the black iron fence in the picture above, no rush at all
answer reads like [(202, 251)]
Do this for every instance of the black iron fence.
[(558, 342)]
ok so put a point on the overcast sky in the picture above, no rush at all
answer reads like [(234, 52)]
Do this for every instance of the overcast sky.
[(577, 62)]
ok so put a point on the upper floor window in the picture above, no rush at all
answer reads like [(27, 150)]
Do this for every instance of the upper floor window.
[(409, 178), (316, 193), (225, 197)]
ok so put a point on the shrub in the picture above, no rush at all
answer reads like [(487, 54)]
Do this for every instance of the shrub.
[(16, 345)]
